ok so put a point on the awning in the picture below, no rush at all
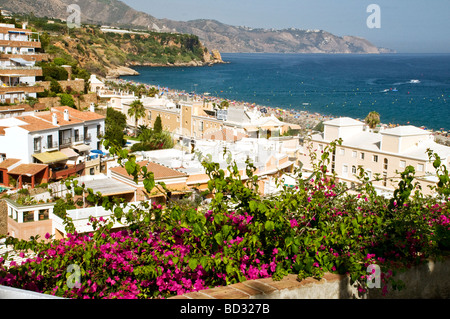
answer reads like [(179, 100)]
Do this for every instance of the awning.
[(81, 147), (69, 152), (22, 61), (50, 157)]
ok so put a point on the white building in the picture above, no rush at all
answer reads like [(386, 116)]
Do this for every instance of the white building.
[(60, 138)]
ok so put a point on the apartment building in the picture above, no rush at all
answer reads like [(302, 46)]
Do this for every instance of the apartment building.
[(199, 120), (18, 56), (61, 138), (381, 154)]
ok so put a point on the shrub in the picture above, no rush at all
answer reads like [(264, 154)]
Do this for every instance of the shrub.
[(312, 228)]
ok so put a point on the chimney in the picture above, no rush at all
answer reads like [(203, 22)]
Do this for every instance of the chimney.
[(54, 119), (66, 115), (92, 107)]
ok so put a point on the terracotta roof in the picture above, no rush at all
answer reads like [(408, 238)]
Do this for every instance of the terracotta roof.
[(35, 124), (48, 116), (83, 116), (159, 171), (28, 169), (2, 130), (8, 163)]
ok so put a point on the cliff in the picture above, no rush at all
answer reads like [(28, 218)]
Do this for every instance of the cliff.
[(112, 53)]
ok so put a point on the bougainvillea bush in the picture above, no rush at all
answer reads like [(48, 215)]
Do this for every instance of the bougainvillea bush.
[(317, 226)]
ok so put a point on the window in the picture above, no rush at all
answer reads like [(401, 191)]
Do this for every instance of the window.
[(43, 214), (361, 155), (345, 170), (353, 169), (77, 135), (342, 151), (384, 179), (420, 167), (354, 154), (402, 164), (37, 144), (200, 126), (386, 164), (28, 217), (91, 171), (375, 158), (49, 141)]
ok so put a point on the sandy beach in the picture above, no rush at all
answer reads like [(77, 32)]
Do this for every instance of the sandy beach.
[(305, 119)]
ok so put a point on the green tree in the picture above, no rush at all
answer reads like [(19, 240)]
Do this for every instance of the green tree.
[(55, 87), (372, 119), (67, 99), (157, 126), (136, 110), (115, 124)]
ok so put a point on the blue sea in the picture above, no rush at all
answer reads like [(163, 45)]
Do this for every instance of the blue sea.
[(330, 84)]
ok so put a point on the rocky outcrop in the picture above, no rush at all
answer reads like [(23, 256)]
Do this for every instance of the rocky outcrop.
[(120, 71)]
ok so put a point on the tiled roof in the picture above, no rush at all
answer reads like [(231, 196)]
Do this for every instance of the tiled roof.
[(47, 116), (8, 163), (159, 171), (28, 169), (35, 124), (76, 114)]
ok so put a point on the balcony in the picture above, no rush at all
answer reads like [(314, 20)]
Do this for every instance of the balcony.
[(78, 139), (58, 173), (87, 137), (20, 71), (21, 88), (63, 142), (31, 43), (50, 147), (26, 56)]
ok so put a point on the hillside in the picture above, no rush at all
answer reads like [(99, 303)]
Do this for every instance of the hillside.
[(213, 34), (111, 54)]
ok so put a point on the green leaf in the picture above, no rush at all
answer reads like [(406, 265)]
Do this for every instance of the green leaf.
[(193, 263), (269, 225), (149, 184), (219, 239)]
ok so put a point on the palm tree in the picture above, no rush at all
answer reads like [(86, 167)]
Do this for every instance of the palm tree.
[(372, 119), (136, 110)]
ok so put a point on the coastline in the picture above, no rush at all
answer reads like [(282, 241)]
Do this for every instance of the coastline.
[(308, 119)]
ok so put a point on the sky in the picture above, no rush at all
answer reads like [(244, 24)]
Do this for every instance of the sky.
[(407, 26)]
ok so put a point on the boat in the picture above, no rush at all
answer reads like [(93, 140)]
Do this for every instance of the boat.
[(414, 81), (394, 90)]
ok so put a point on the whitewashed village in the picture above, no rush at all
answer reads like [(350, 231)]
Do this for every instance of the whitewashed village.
[(43, 143)]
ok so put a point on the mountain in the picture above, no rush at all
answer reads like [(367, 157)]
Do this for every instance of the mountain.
[(213, 34)]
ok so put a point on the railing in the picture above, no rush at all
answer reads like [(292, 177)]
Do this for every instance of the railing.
[(66, 172), (8, 67), (87, 137), (51, 146), (79, 139), (65, 141)]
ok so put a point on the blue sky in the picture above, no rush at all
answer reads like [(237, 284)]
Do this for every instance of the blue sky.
[(410, 26)]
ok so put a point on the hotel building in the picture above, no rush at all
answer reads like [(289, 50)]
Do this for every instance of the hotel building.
[(18, 56), (383, 154)]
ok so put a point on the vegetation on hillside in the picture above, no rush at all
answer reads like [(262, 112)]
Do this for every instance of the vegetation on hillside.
[(98, 51)]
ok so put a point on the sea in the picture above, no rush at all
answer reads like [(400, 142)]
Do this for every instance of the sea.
[(405, 89)]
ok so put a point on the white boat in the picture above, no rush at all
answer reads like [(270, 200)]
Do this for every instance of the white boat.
[(414, 81)]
